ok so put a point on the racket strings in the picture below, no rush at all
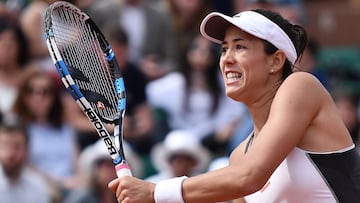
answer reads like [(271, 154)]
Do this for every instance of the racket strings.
[(82, 53)]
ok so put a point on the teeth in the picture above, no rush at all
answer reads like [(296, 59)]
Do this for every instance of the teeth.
[(233, 75)]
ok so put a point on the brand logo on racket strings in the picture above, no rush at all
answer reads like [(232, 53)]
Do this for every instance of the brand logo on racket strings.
[(101, 129), (76, 11)]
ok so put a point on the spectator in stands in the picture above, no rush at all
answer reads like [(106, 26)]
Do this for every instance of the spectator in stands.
[(98, 169), (52, 147), (13, 59), (18, 183), (180, 154)]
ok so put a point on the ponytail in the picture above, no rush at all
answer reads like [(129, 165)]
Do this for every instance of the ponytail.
[(300, 40)]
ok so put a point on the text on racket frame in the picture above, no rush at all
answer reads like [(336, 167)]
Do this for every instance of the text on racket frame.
[(101, 129)]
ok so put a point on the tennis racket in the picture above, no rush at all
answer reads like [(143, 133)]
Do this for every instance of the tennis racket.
[(88, 68)]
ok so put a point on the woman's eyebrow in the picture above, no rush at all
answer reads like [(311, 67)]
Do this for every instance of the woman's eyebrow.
[(233, 40)]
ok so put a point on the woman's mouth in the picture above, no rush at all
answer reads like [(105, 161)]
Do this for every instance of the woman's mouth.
[(232, 76)]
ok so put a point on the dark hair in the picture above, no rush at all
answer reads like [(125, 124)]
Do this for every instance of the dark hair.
[(211, 74), (55, 116), (11, 124), (296, 33), (5, 25)]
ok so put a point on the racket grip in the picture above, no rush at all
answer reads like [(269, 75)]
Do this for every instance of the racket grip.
[(123, 169)]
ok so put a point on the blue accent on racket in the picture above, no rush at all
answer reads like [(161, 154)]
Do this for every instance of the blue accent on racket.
[(75, 92), (119, 85), (62, 69), (117, 160), (120, 89), (111, 54)]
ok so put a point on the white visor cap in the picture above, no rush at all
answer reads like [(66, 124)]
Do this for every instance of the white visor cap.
[(214, 25)]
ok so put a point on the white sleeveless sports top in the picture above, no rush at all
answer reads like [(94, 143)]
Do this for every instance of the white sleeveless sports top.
[(307, 177)]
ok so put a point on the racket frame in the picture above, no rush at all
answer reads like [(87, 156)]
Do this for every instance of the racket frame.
[(114, 143)]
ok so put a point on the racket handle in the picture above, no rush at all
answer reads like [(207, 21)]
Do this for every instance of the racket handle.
[(123, 169)]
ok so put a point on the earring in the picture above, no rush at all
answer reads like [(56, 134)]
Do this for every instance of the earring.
[(272, 71)]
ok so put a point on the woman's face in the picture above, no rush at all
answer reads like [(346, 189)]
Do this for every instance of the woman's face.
[(244, 65), (40, 96), (9, 48)]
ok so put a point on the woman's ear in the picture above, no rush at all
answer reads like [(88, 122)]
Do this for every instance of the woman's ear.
[(277, 62)]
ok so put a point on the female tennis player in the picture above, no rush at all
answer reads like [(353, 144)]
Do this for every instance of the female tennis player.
[(299, 151)]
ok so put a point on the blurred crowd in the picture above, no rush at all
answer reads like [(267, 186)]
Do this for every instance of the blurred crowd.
[(178, 119)]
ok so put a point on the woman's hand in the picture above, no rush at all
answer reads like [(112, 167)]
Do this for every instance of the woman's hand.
[(132, 190)]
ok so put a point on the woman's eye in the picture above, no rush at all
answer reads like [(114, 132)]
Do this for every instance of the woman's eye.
[(224, 49), (240, 46)]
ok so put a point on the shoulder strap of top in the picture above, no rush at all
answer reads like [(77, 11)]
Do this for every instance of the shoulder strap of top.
[(250, 141)]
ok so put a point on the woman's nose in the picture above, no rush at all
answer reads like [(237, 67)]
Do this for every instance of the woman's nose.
[(228, 56)]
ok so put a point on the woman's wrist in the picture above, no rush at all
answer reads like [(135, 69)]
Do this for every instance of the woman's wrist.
[(169, 191)]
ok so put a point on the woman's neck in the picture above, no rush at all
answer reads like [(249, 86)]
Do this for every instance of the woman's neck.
[(260, 109)]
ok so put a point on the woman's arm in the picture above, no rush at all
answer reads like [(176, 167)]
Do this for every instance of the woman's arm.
[(293, 108)]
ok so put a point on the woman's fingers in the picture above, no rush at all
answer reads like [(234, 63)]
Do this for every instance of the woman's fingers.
[(132, 190), (113, 185)]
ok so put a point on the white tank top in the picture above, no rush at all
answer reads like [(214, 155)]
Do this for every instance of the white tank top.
[(307, 177)]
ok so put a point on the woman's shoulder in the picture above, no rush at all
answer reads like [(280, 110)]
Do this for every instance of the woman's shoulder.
[(304, 89), (302, 76), (303, 82)]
